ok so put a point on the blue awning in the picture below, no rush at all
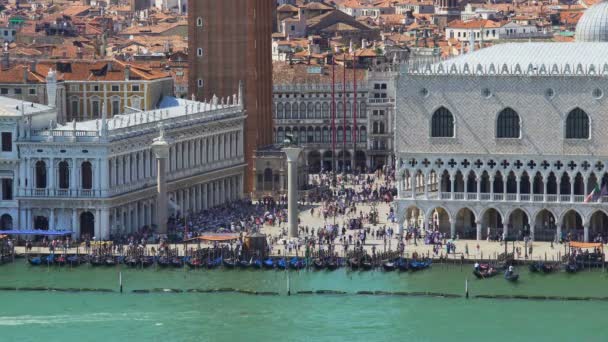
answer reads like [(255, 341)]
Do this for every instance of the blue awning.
[(37, 232)]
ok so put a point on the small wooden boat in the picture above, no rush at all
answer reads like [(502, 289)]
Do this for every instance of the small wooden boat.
[(420, 265), (147, 261), (111, 261), (282, 264), (268, 263), (194, 263), (132, 261), (73, 260), (177, 262), (256, 263), (389, 266), (354, 263), (483, 274), (164, 261), (97, 260), (319, 264), (34, 261), (511, 276), (213, 263), (366, 265), (243, 264), (229, 263), (402, 264), (60, 260), (297, 263), (49, 259), (332, 264), (572, 267)]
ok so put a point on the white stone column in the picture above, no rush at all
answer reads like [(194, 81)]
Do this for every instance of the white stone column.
[(104, 223), (104, 176), (97, 224), (161, 151), (292, 154), (505, 227), (52, 219), (559, 189), (546, 188), (479, 228), (426, 186), (572, 180), (75, 226), (73, 176), (128, 168), (492, 188), (453, 192), (51, 176), (518, 181), (478, 188), (586, 231), (453, 228)]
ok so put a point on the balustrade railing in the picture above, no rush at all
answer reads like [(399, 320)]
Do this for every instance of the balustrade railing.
[(461, 196), (511, 197), (472, 197), (524, 197), (551, 198), (564, 198)]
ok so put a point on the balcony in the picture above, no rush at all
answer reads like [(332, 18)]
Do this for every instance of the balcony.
[(380, 101), (64, 193)]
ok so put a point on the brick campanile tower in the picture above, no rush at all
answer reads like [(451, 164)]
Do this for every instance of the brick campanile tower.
[(229, 41)]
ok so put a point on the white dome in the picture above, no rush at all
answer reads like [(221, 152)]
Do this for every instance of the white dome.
[(593, 25)]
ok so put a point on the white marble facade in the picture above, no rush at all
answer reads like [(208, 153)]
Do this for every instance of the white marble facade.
[(98, 177)]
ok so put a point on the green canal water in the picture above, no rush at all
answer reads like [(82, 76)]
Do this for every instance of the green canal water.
[(60, 316)]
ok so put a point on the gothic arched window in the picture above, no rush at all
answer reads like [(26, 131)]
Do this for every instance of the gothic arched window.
[(577, 124), (442, 125), (507, 124)]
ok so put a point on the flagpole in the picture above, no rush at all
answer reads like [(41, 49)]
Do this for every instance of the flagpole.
[(354, 158), (344, 107)]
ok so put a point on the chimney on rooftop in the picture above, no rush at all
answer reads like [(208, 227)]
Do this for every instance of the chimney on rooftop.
[(33, 66), (79, 54), (127, 72)]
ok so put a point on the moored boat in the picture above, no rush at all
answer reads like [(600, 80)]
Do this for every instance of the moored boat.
[(256, 263), (147, 261), (268, 263), (332, 264), (60, 260), (319, 264), (282, 264), (73, 260), (389, 266), (164, 261), (243, 264), (229, 263), (34, 261), (194, 263), (416, 265), (177, 262)]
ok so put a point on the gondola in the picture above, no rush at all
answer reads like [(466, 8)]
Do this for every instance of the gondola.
[(73, 260), (243, 264), (572, 268), (419, 265), (332, 265), (97, 260), (132, 261), (282, 264), (354, 263), (402, 264), (297, 263), (256, 263), (49, 259), (213, 263), (366, 265), (511, 276), (229, 263), (164, 261), (111, 260), (389, 266), (268, 263), (483, 274), (319, 264), (147, 261), (194, 263), (34, 261), (60, 260), (177, 262)]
